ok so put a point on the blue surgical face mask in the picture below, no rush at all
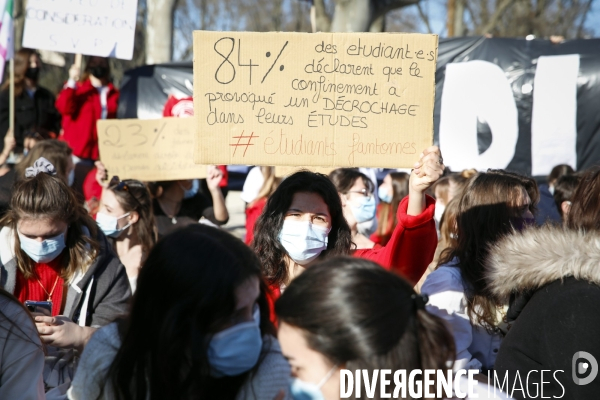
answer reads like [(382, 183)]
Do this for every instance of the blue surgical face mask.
[(108, 224), (384, 194), (303, 241), (71, 177), (365, 211), (300, 390), (44, 251), (236, 350), (192, 191)]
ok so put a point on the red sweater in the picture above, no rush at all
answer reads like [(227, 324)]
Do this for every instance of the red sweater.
[(408, 252), (81, 109), (30, 289)]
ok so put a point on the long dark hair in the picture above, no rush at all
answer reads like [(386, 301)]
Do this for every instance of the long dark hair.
[(134, 196), (271, 253), (585, 208), (485, 212), (46, 196), (186, 289), (361, 316)]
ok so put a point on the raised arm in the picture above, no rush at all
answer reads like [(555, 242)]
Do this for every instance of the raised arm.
[(412, 244)]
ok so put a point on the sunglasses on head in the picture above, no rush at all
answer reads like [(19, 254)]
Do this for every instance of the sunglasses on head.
[(124, 186)]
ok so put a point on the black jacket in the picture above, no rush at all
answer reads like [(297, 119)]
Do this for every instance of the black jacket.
[(30, 113), (553, 279)]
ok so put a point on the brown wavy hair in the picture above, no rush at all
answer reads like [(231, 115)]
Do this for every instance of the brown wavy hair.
[(485, 214), (46, 196), (585, 207)]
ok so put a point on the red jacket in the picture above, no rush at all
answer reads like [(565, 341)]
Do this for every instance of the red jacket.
[(253, 211), (408, 252), (80, 109)]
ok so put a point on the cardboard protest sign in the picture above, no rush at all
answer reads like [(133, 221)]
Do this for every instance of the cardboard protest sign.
[(92, 27), (319, 99), (149, 150)]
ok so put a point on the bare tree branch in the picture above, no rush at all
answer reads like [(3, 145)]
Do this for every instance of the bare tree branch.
[(584, 15), (322, 21), (425, 18), (502, 7)]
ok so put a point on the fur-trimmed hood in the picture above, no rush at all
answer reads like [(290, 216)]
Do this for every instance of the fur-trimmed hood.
[(538, 256)]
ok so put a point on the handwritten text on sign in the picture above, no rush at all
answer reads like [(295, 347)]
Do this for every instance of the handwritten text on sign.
[(102, 28), (149, 150), (323, 99)]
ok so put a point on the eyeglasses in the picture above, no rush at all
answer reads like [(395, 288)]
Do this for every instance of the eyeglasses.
[(368, 194), (116, 184)]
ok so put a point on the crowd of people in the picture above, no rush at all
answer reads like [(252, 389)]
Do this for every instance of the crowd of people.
[(122, 289)]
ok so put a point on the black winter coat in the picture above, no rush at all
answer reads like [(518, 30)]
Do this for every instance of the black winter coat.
[(553, 279), (30, 113)]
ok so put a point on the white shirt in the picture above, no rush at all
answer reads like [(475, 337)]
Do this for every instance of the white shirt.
[(103, 91), (475, 347), (252, 184)]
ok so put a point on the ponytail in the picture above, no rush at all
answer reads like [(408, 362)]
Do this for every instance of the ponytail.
[(436, 343)]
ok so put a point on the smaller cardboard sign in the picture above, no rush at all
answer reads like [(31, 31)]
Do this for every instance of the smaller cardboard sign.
[(90, 27), (149, 150)]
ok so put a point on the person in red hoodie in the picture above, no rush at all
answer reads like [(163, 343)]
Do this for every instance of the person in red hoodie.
[(303, 222), (82, 102)]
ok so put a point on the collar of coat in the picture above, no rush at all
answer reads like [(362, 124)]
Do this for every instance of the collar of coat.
[(528, 260)]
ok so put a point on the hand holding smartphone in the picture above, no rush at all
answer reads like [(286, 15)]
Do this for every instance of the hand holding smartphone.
[(43, 308)]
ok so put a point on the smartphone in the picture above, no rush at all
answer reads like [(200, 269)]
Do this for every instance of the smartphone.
[(40, 307)]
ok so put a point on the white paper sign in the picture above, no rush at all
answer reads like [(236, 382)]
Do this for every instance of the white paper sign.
[(102, 28)]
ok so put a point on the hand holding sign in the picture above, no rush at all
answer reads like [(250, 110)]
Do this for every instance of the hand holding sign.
[(427, 170), (74, 72)]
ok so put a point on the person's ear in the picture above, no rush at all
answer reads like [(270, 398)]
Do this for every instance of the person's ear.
[(134, 217), (565, 206), (159, 192)]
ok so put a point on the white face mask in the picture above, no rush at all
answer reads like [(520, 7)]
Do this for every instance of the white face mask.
[(108, 224), (300, 390), (551, 190), (439, 211), (303, 241), (365, 210)]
